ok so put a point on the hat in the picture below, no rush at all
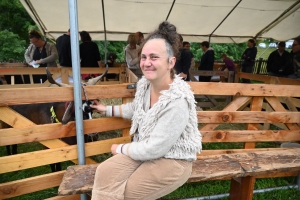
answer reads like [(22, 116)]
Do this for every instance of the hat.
[(282, 44), (297, 39)]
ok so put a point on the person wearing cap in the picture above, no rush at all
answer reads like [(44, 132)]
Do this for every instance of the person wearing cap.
[(296, 56), (279, 63)]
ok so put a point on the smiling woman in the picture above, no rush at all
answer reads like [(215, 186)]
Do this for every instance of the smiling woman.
[(164, 125)]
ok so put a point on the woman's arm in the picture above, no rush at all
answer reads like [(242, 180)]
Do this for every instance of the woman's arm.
[(27, 56)]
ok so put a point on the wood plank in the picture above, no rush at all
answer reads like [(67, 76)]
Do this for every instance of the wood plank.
[(277, 106), (57, 130), (29, 185), (242, 188), (250, 135), (79, 179), (69, 197), (18, 96), (49, 156), (236, 104), (247, 117)]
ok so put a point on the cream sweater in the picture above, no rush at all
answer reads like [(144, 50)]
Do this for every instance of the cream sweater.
[(169, 129)]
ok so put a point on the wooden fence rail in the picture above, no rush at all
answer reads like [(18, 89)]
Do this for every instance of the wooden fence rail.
[(253, 96)]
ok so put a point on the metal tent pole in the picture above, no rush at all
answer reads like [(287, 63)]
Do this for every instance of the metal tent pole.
[(73, 18)]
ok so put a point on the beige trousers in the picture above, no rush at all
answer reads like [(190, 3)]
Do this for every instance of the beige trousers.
[(120, 177)]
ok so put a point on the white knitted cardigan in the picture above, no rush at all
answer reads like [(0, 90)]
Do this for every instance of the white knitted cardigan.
[(190, 140)]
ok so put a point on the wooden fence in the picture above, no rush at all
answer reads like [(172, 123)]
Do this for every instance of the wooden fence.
[(246, 108)]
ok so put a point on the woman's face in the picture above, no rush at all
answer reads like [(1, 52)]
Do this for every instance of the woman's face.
[(155, 63), (36, 41)]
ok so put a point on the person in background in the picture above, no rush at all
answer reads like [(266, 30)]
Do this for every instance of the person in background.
[(187, 45), (296, 57), (183, 63), (164, 124), (131, 55), (111, 59), (140, 37), (89, 54), (279, 62), (40, 53), (207, 61), (63, 45), (228, 63), (248, 58)]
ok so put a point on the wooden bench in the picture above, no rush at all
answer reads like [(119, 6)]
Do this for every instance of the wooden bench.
[(256, 106)]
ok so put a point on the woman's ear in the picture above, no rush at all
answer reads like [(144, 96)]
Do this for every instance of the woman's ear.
[(172, 62)]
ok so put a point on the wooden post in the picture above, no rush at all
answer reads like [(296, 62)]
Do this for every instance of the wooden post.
[(242, 188), (260, 60)]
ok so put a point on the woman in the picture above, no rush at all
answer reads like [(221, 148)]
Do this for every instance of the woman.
[(131, 55), (228, 63), (89, 53), (40, 53), (164, 125), (248, 58)]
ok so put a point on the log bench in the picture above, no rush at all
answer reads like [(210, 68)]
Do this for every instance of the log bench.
[(79, 179), (260, 108)]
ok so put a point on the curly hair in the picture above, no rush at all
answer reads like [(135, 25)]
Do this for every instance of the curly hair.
[(34, 34)]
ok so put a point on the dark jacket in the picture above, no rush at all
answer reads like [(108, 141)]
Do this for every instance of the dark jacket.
[(63, 45), (280, 64), (207, 60), (89, 54), (183, 63), (249, 57)]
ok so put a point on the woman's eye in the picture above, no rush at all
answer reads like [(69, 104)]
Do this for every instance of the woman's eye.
[(154, 57)]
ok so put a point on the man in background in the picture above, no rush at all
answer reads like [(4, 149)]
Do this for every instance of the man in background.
[(279, 63), (63, 45), (207, 61), (183, 63)]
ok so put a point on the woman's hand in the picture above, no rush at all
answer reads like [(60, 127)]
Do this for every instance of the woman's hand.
[(98, 107), (113, 149)]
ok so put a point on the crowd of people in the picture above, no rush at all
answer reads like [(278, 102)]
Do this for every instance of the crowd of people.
[(41, 53)]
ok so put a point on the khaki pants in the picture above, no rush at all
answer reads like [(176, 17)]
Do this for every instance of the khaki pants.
[(120, 177)]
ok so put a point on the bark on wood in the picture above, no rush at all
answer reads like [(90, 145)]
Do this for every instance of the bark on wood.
[(79, 179)]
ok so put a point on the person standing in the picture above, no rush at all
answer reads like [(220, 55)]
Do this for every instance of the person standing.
[(279, 63), (164, 124), (187, 45), (207, 61), (248, 58), (183, 63), (296, 57), (63, 45), (40, 53), (89, 54), (140, 37), (131, 55)]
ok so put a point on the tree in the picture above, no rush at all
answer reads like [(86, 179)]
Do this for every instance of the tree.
[(11, 47)]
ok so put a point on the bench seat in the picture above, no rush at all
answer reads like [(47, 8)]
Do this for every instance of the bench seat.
[(79, 179)]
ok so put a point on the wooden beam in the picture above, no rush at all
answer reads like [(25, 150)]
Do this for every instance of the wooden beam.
[(56, 130), (247, 117), (29, 185), (59, 154)]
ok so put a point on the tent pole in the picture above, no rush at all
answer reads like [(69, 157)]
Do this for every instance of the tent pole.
[(73, 17), (224, 20), (105, 40), (170, 10)]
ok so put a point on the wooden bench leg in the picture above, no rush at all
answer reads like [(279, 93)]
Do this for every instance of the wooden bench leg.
[(242, 188)]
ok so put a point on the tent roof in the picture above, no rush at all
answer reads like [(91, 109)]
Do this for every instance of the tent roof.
[(226, 21)]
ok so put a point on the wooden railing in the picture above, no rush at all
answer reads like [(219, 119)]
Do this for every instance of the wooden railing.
[(246, 108)]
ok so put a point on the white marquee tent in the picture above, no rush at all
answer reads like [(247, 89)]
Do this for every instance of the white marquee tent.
[(221, 21)]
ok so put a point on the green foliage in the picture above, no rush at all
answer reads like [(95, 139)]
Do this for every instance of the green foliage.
[(234, 51), (14, 18), (11, 46), (116, 47)]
